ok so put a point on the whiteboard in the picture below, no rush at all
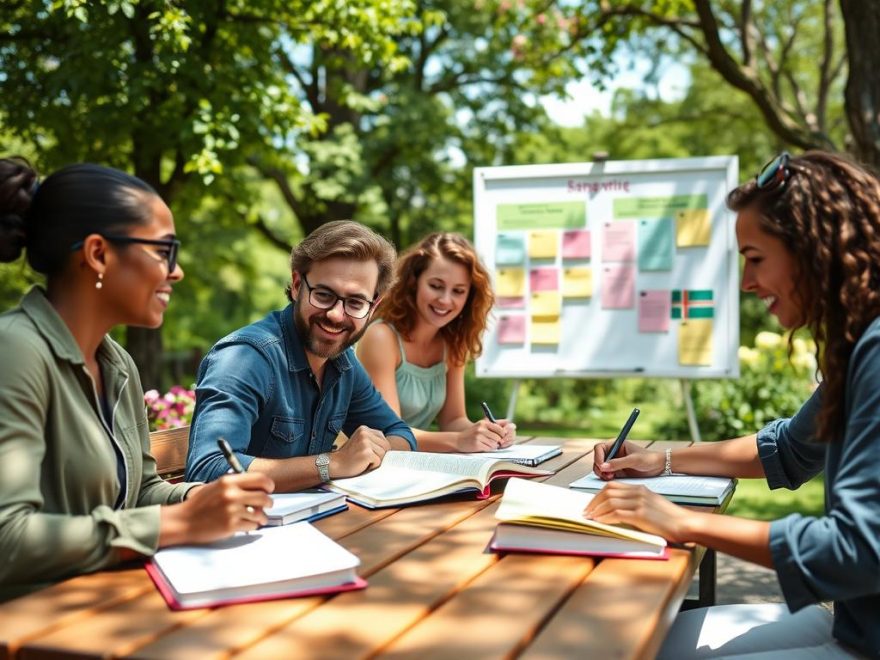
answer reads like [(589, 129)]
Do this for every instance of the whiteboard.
[(610, 268)]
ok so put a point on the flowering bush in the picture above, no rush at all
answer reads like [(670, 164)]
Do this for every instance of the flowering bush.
[(170, 410), (770, 386)]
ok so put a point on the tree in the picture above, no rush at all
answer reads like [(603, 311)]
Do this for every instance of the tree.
[(179, 94), (788, 57)]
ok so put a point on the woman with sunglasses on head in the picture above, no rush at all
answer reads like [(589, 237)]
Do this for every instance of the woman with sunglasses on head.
[(431, 323), (808, 229), (78, 487)]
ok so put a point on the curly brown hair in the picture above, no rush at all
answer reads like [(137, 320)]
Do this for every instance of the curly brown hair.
[(827, 213), (463, 335)]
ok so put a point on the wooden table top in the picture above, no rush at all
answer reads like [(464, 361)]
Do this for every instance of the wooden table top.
[(434, 591)]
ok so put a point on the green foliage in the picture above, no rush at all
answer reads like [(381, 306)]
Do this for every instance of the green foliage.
[(770, 386)]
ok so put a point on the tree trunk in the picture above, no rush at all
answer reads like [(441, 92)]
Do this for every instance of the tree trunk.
[(862, 96)]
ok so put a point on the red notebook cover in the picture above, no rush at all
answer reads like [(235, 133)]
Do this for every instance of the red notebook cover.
[(168, 593)]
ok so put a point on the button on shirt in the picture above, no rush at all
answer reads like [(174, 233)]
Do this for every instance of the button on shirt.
[(256, 389), (835, 556)]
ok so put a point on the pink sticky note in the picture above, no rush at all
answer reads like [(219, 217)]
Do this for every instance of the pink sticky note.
[(654, 310), (517, 302), (576, 244), (619, 241), (618, 287), (544, 279), (512, 330)]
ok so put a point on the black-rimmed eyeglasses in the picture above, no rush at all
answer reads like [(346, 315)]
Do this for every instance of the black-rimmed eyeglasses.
[(323, 298), (172, 245), (775, 173)]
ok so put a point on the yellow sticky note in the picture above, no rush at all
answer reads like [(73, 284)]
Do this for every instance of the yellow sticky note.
[(510, 282), (693, 227), (545, 330), (546, 303), (695, 342), (577, 282), (543, 244)]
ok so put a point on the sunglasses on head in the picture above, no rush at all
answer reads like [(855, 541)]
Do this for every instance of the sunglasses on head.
[(775, 173)]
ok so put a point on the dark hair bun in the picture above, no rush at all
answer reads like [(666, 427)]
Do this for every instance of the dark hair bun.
[(17, 184)]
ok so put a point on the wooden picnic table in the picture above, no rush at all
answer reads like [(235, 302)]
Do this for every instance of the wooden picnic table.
[(434, 592)]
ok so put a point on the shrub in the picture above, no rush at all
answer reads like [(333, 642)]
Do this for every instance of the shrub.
[(170, 410)]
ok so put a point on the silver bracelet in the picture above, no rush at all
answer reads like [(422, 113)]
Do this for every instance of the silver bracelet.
[(667, 467)]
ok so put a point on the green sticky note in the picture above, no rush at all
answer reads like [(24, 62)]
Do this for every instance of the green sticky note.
[(510, 249), (657, 207), (656, 243), (549, 215)]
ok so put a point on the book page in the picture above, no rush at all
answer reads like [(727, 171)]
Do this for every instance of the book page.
[(466, 465), (285, 503), (391, 482), (554, 507), (676, 484)]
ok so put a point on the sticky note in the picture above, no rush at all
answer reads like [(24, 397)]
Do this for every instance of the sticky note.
[(576, 244), (656, 244), (510, 282), (654, 308), (618, 241), (510, 249), (693, 227), (545, 330), (695, 342), (577, 282), (546, 303), (543, 244), (544, 279), (516, 302), (618, 287), (512, 329)]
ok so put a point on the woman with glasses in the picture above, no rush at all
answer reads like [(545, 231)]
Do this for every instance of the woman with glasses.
[(78, 487), (431, 324), (808, 228)]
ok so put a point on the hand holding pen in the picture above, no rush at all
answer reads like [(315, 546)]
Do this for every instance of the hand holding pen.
[(602, 457)]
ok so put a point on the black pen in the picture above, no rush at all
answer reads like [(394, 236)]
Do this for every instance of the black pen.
[(488, 413), (622, 436), (230, 456)]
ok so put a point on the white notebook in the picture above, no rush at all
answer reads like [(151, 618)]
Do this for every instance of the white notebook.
[(530, 455), (680, 488), (305, 505), (272, 562)]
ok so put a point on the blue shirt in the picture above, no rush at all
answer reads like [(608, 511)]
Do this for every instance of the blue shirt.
[(835, 557), (255, 388)]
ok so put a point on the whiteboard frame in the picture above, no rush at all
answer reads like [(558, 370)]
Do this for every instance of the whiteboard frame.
[(484, 233)]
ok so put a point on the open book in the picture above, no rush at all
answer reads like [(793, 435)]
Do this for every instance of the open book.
[(530, 455), (679, 488), (272, 562), (537, 517), (306, 505), (407, 477)]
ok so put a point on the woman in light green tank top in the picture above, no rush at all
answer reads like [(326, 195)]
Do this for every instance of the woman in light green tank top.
[(431, 323)]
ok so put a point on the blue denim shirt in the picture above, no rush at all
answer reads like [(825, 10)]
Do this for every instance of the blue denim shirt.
[(255, 388), (837, 556)]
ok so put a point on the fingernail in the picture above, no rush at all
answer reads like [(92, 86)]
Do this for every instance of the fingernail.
[(604, 466)]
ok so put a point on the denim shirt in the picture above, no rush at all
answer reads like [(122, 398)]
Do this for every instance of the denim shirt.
[(256, 389), (837, 556)]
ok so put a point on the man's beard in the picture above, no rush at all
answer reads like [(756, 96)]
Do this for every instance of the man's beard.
[(327, 349)]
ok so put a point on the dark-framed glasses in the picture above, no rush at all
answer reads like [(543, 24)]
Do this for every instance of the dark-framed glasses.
[(171, 245), (775, 173), (323, 298)]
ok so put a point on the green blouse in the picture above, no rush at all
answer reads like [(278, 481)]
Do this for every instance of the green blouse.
[(420, 390)]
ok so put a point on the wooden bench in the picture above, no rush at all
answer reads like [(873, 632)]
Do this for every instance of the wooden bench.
[(169, 448)]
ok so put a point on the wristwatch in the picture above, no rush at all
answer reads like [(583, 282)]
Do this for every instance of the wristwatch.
[(323, 465)]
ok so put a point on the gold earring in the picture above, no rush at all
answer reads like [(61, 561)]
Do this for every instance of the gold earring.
[(100, 283)]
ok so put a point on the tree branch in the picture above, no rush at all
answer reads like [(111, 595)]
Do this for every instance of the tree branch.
[(825, 67), (745, 37)]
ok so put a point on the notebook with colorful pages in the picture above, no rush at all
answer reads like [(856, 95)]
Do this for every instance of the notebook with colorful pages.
[(272, 562), (540, 518), (410, 477), (678, 488), (530, 455), (308, 505)]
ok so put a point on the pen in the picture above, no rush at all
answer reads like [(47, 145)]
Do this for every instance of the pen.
[(231, 458), (622, 435), (487, 412)]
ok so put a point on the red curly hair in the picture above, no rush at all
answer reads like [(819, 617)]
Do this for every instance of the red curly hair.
[(463, 335)]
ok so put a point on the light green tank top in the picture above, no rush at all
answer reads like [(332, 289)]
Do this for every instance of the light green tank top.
[(420, 390)]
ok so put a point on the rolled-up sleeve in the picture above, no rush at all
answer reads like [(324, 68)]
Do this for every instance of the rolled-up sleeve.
[(370, 409), (837, 556), (228, 401)]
